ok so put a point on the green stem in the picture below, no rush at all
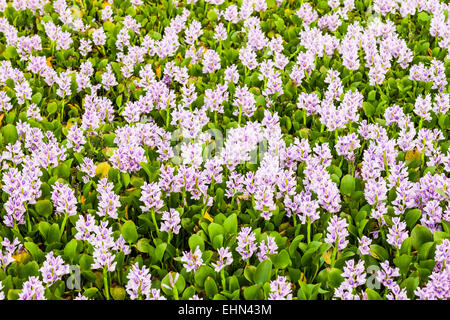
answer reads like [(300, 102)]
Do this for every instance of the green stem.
[(308, 230), (63, 226), (385, 163), (62, 112), (222, 275), (105, 281), (240, 114), (167, 117), (28, 219), (333, 255), (154, 220), (175, 292)]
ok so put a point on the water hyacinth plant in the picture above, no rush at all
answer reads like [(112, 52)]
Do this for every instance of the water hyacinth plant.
[(212, 149)]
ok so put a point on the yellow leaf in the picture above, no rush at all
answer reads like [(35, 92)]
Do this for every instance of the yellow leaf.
[(103, 169), (49, 62), (207, 216), (158, 72), (374, 255), (22, 257), (1, 117), (104, 4), (327, 256), (69, 125), (302, 278), (412, 155)]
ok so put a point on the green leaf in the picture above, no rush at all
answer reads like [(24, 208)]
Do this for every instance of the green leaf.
[(43, 228), (70, 250), (159, 251), (36, 98), (13, 294), (412, 216), (62, 171), (372, 95), (52, 107), (263, 272), (423, 16), (403, 262), (308, 291), (44, 207), (215, 229), (129, 232), (368, 108), (9, 133), (137, 181), (85, 262), (196, 241), (10, 53), (118, 293), (143, 245), (378, 252), (125, 179), (411, 285), (217, 241), (271, 4), (35, 251), (202, 273), (53, 233), (334, 277), (212, 15), (210, 287), (439, 235), (372, 295), (230, 224), (347, 185), (253, 293), (425, 250), (30, 269), (179, 284), (90, 293), (420, 234), (249, 273), (281, 260)]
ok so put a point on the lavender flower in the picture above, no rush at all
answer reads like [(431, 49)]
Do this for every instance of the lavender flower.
[(139, 282), (108, 201), (64, 199), (397, 233), (211, 61), (270, 248), (192, 260), (53, 269), (225, 259), (32, 289), (386, 275), (337, 232), (171, 221), (364, 245), (280, 289), (151, 197), (246, 243)]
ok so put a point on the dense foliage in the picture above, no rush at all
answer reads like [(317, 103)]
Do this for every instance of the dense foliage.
[(211, 149)]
